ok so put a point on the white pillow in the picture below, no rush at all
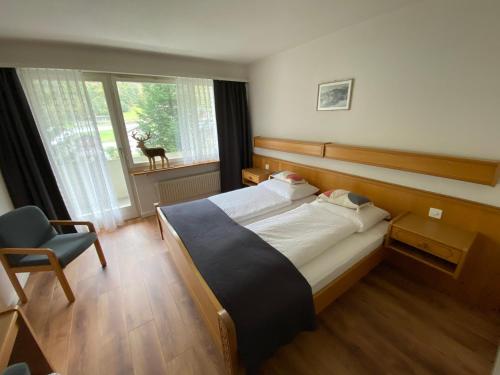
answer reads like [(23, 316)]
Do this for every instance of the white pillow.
[(346, 199), (289, 177), (364, 218), (289, 191)]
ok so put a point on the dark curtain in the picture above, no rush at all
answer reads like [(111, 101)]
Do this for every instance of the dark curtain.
[(233, 131), (23, 161)]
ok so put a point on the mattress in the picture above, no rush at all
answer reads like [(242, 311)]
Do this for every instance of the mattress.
[(339, 258), (254, 203)]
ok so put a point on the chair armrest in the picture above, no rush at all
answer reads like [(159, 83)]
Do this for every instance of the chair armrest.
[(4, 252), (88, 224), (27, 251)]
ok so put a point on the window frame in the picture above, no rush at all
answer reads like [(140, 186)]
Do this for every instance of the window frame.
[(112, 80), (115, 78)]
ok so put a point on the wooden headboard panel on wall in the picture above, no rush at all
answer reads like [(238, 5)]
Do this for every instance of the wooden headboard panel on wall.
[(287, 145), (484, 172), (479, 282)]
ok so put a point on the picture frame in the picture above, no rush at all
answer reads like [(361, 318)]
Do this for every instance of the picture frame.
[(335, 95)]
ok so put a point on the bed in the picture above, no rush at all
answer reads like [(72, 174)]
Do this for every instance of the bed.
[(329, 274), (339, 258)]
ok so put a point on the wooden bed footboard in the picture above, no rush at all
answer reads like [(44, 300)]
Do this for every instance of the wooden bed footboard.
[(218, 320)]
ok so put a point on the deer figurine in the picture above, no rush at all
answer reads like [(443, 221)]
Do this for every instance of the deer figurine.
[(151, 153)]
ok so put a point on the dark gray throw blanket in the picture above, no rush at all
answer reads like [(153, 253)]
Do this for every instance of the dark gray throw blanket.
[(266, 296)]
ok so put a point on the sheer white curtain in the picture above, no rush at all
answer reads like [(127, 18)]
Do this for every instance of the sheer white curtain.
[(64, 117), (197, 126)]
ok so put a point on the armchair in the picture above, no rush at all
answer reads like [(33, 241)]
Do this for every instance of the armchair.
[(29, 243)]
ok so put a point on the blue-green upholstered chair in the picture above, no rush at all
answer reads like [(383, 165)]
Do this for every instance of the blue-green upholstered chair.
[(29, 243)]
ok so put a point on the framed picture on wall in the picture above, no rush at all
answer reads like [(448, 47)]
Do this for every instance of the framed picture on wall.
[(336, 95)]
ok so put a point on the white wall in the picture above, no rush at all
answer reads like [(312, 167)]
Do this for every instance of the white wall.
[(20, 53), (7, 293), (426, 79), (5, 202)]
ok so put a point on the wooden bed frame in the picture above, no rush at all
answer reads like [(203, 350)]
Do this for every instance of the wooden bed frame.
[(217, 319), (478, 285)]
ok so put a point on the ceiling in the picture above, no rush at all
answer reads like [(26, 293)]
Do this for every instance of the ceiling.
[(231, 30)]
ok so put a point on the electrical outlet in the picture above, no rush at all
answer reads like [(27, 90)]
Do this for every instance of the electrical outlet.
[(436, 213), (267, 166)]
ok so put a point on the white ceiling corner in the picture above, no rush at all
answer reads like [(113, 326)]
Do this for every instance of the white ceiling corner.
[(230, 30)]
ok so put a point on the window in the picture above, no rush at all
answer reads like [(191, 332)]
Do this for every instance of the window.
[(95, 90), (64, 105), (175, 114)]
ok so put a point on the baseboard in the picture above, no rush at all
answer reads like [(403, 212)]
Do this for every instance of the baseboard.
[(148, 213)]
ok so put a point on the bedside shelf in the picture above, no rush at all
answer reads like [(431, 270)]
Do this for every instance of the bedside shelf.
[(438, 245), (254, 176), (422, 256)]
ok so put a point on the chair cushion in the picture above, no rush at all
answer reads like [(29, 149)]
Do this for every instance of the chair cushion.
[(24, 227), (66, 247), (17, 369)]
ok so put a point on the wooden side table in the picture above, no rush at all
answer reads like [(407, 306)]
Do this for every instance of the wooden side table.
[(19, 344), (253, 176), (431, 242)]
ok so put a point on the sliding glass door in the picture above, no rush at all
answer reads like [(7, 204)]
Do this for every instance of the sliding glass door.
[(99, 127), (101, 96)]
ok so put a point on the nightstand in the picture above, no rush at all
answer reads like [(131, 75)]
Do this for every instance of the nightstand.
[(429, 241), (253, 176)]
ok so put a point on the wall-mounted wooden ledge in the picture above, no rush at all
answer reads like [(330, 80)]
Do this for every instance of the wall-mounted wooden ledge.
[(180, 166), (293, 146), (483, 172)]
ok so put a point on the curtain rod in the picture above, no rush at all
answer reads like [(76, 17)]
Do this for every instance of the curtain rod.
[(183, 75), (132, 75)]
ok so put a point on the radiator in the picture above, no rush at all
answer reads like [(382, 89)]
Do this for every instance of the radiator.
[(188, 188)]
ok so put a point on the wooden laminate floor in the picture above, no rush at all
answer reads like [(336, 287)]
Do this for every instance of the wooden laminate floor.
[(136, 317)]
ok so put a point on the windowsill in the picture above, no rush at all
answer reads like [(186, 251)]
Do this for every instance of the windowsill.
[(140, 172)]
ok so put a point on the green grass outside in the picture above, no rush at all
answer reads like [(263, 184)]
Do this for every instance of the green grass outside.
[(107, 135)]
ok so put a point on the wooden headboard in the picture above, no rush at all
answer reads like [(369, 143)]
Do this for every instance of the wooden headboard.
[(479, 171), (479, 282)]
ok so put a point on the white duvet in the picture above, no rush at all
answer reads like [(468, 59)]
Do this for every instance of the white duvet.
[(242, 204), (304, 233)]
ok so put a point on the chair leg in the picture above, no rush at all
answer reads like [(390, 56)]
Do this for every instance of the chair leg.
[(17, 286), (64, 282), (100, 253), (14, 280)]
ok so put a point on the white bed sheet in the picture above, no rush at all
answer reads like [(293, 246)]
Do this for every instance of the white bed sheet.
[(339, 258), (293, 205), (304, 233), (246, 205)]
